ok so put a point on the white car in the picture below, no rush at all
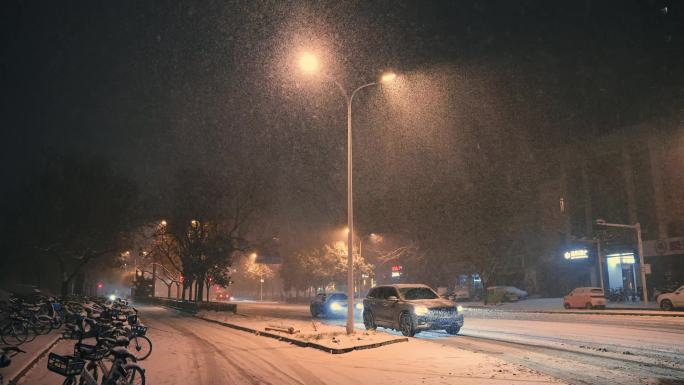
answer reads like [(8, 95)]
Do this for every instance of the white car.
[(669, 301), (585, 297)]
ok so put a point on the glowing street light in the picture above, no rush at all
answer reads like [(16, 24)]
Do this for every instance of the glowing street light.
[(388, 77), (310, 65)]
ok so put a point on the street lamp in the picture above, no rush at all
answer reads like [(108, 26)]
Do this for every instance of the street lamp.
[(309, 64), (636, 227)]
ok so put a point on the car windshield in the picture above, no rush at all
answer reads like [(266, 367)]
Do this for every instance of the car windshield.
[(338, 297), (410, 293)]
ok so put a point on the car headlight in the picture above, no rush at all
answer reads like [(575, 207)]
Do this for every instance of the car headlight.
[(335, 306), (359, 306), (420, 310), (459, 308)]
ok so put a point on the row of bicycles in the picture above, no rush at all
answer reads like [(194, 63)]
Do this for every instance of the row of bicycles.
[(109, 338), (22, 319)]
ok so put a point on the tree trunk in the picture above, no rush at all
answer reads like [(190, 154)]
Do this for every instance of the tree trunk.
[(484, 288), (200, 290), (168, 290), (65, 288)]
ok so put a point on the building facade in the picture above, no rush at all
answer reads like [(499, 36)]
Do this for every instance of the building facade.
[(633, 176)]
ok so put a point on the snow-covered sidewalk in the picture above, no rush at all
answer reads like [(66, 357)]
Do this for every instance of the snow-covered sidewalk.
[(34, 349)]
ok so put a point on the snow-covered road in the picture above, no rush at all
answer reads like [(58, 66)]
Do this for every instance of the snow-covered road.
[(578, 348), (188, 350)]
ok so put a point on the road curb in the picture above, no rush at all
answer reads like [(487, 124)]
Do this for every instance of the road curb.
[(599, 312), (304, 344), (23, 371)]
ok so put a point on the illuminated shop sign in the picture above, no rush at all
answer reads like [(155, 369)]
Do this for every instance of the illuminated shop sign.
[(396, 271), (576, 254)]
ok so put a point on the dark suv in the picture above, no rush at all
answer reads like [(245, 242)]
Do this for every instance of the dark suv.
[(410, 308), (329, 305)]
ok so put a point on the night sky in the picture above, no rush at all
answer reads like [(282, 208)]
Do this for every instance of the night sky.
[(150, 85)]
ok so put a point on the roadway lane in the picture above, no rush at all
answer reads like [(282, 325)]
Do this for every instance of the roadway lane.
[(578, 348)]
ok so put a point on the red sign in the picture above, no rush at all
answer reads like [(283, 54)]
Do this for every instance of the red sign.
[(396, 268)]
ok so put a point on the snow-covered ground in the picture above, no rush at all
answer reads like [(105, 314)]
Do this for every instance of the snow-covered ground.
[(188, 350), (324, 334), (579, 348)]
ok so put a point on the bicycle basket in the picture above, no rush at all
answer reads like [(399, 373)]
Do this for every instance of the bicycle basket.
[(65, 365), (139, 330), (89, 352)]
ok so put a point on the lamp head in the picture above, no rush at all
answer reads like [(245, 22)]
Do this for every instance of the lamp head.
[(308, 63), (388, 77)]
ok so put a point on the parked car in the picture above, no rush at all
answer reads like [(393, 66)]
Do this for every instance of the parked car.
[(498, 294), (585, 297), (330, 305), (410, 308), (670, 301)]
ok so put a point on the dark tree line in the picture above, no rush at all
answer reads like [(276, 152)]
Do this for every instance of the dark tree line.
[(76, 211)]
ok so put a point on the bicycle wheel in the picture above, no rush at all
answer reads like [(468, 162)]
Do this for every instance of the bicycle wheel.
[(40, 327), (142, 347), (14, 334), (56, 323), (69, 381), (134, 376), (91, 368)]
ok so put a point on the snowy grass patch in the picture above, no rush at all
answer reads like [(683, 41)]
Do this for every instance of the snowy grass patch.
[(324, 336)]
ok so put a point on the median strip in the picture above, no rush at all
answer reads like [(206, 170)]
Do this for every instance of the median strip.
[(364, 340)]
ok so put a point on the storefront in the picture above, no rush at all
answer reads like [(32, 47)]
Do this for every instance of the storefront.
[(622, 272), (666, 257)]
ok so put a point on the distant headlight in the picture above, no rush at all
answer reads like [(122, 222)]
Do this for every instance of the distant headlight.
[(112, 297), (459, 308), (335, 306), (420, 310), (359, 306)]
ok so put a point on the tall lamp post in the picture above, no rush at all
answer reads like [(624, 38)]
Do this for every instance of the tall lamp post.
[(309, 64), (637, 228)]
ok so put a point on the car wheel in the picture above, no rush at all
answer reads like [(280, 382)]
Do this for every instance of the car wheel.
[(588, 306), (566, 305), (406, 325), (666, 305), (369, 320), (453, 330)]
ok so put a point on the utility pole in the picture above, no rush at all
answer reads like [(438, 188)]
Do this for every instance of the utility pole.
[(600, 262)]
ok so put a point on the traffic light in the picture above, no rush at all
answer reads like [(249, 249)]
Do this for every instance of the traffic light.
[(100, 285)]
